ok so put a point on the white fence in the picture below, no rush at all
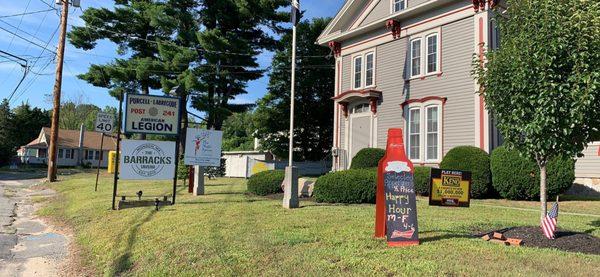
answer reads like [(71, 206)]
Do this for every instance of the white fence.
[(244, 167)]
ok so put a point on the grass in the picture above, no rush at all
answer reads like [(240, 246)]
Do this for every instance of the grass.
[(227, 232)]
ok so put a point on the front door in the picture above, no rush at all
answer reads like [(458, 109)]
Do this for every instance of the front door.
[(360, 127)]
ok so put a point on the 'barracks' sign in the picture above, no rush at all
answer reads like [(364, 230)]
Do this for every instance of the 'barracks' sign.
[(151, 114), (147, 159)]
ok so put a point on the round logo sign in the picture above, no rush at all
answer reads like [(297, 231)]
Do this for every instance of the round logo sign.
[(148, 160)]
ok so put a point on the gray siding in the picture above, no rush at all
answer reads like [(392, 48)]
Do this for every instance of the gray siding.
[(381, 10), (414, 3), (390, 71), (346, 71), (455, 83), (589, 165)]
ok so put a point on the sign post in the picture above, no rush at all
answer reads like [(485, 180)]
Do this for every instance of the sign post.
[(202, 148), (116, 175), (396, 209), (104, 124)]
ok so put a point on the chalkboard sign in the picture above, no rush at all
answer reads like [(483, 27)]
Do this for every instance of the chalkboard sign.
[(400, 205)]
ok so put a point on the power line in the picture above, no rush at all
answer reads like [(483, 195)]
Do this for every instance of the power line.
[(26, 13), (28, 40)]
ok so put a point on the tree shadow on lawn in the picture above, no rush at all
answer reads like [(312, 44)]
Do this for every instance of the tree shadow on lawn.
[(123, 263), (220, 201), (446, 235)]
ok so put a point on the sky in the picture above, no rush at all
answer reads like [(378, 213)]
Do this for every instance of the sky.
[(27, 35)]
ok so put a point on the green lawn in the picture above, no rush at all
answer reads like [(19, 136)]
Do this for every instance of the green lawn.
[(229, 233)]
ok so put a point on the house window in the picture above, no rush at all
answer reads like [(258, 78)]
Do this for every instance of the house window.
[(432, 53), (494, 35), (398, 5), (415, 57), (369, 69), (60, 153), (68, 153), (363, 70), (432, 130), (92, 155), (96, 155), (358, 72), (425, 59), (360, 108), (424, 137), (414, 133)]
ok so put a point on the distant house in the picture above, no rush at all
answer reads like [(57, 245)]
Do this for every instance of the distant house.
[(74, 148)]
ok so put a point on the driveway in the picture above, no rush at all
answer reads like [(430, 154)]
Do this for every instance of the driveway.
[(28, 246)]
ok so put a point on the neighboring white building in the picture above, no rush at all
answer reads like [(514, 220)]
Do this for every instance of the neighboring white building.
[(74, 148)]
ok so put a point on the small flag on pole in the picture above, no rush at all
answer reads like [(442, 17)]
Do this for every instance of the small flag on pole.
[(295, 12), (549, 222)]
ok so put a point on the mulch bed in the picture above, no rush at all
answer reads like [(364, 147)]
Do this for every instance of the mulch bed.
[(565, 240)]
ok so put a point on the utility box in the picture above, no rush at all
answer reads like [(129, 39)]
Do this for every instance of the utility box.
[(112, 161)]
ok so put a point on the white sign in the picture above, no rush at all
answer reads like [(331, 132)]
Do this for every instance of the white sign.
[(151, 114), (104, 122), (203, 147), (147, 159)]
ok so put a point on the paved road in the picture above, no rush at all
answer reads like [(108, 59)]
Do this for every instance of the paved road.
[(28, 246)]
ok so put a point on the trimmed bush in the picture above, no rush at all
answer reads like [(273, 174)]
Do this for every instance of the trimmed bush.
[(348, 186), (475, 160), (518, 178), (421, 178), (266, 182), (367, 158)]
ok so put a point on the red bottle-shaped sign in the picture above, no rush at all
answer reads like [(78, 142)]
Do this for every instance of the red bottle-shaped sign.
[(396, 206)]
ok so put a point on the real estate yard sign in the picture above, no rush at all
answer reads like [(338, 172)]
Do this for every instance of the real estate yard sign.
[(151, 114), (449, 188), (203, 147), (104, 122), (147, 160)]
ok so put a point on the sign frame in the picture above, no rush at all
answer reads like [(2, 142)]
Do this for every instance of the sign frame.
[(438, 173), (178, 110)]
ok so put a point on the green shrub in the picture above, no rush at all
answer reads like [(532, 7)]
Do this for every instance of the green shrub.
[(475, 160), (517, 178), (421, 179), (266, 182), (348, 186), (367, 158)]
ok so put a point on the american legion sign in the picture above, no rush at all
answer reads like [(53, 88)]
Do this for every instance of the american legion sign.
[(151, 114)]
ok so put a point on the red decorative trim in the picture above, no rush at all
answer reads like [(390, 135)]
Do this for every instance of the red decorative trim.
[(408, 27), (394, 27), (481, 100), (345, 109), (365, 93), (423, 100), (373, 104), (476, 5), (598, 151), (336, 48)]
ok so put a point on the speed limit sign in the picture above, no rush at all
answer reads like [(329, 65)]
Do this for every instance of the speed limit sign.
[(105, 122)]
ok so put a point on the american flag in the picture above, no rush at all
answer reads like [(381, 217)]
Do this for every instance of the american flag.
[(295, 12), (549, 222)]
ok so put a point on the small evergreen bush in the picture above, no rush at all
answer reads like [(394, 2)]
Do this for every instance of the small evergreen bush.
[(421, 179), (348, 186), (475, 160), (367, 158), (266, 182), (517, 178)]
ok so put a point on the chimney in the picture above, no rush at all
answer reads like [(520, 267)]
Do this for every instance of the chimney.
[(81, 135)]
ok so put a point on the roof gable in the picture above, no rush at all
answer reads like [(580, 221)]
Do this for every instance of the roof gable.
[(346, 16)]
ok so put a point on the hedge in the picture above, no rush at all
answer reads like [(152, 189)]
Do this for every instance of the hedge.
[(421, 179), (266, 182), (475, 160), (348, 186), (517, 178), (367, 158)]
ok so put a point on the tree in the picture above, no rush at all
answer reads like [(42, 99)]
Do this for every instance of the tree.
[(5, 133), (313, 128), (27, 123), (542, 84), (232, 34), (72, 115), (238, 132)]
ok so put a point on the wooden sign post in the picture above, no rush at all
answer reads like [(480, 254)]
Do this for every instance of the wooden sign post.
[(396, 207)]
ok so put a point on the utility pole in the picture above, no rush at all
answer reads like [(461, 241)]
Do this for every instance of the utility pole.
[(57, 89)]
